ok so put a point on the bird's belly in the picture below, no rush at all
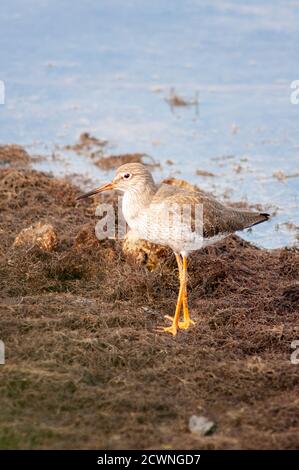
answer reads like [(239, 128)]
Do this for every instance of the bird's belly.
[(179, 237)]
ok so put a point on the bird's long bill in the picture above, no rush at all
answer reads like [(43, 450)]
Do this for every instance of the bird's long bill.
[(105, 187)]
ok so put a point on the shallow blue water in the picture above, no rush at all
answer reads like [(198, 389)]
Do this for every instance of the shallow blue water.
[(107, 66)]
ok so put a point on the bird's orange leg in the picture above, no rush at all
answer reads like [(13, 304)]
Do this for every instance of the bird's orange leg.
[(187, 320), (175, 320), (184, 325)]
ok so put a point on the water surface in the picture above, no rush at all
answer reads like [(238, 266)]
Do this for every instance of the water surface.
[(107, 66)]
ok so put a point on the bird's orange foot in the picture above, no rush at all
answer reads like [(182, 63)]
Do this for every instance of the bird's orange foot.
[(168, 329), (183, 325)]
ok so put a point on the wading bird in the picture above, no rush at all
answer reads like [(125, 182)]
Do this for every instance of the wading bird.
[(183, 220)]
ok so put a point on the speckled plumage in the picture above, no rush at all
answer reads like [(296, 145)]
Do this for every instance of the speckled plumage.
[(181, 219), (145, 206)]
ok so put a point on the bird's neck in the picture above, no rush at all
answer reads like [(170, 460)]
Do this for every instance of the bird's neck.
[(137, 199)]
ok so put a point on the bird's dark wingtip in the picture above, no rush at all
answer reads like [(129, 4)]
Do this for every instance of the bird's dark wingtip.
[(265, 216)]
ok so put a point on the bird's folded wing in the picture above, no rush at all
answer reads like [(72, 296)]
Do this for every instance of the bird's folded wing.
[(216, 218)]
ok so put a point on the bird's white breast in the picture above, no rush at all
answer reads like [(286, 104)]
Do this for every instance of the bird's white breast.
[(129, 209)]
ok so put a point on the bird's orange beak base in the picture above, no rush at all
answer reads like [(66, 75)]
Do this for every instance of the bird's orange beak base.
[(101, 189)]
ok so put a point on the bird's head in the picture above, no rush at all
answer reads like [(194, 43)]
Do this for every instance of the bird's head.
[(128, 177)]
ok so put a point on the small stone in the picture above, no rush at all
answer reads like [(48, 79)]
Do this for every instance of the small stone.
[(201, 425), (41, 235)]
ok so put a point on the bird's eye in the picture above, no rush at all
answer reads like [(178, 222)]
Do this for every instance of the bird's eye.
[(127, 176)]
